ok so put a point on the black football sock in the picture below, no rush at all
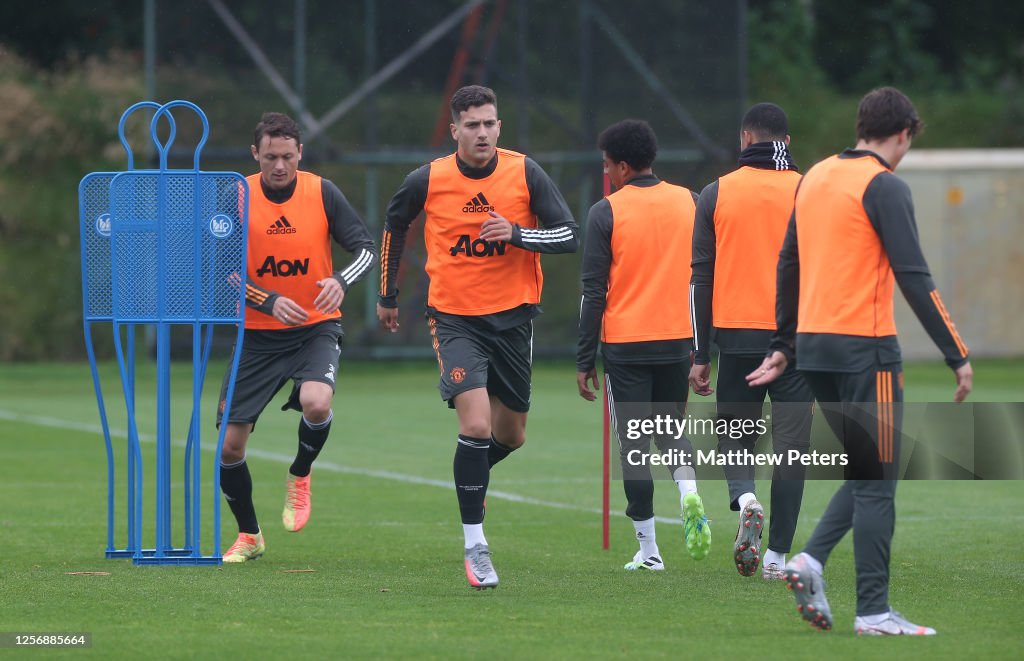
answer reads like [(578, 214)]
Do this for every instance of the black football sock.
[(496, 451), (471, 477), (236, 483), (312, 437)]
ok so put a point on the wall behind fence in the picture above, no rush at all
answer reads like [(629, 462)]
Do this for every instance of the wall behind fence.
[(970, 214)]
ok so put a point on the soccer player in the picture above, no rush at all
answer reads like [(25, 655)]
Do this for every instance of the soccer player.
[(635, 256), (490, 212), (852, 237), (292, 324), (741, 220)]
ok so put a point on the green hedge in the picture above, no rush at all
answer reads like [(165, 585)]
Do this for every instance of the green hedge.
[(57, 125)]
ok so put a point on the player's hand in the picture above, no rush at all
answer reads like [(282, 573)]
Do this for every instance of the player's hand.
[(331, 295), (289, 312), (388, 317), (496, 228), (700, 380), (770, 369), (581, 383), (964, 382)]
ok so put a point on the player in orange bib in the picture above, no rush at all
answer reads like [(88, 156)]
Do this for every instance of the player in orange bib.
[(490, 213), (740, 222), (851, 239), (636, 255), (292, 321)]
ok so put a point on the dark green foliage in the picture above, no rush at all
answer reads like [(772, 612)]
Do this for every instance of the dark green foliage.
[(68, 69), (55, 126)]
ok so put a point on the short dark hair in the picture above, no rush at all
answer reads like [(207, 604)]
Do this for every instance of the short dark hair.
[(766, 121), (276, 125), (632, 141), (471, 96), (884, 112)]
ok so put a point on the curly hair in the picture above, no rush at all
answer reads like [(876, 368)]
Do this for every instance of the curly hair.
[(632, 141)]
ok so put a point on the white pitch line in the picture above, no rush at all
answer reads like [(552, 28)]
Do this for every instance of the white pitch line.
[(73, 425), (93, 428)]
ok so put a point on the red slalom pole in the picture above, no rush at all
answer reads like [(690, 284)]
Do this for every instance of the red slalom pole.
[(606, 441), (606, 474)]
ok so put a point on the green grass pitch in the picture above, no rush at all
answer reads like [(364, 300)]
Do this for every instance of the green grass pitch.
[(384, 542)]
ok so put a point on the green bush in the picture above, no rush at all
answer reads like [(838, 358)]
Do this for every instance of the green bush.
[(981, 105), (55, 126), (58, 124)]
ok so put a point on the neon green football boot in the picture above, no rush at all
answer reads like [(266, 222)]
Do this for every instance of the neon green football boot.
[(696, 527)]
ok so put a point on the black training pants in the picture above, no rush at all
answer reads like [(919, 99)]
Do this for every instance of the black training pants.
[(791, 430), (637, 391), (864, 411)]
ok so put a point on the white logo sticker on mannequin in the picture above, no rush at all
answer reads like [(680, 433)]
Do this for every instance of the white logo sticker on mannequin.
[(221, 226)]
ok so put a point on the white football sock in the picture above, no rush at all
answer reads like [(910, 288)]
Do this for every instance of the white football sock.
[(686, 479), (874, 619), (645, 535), (474, 534), (744, 499)]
